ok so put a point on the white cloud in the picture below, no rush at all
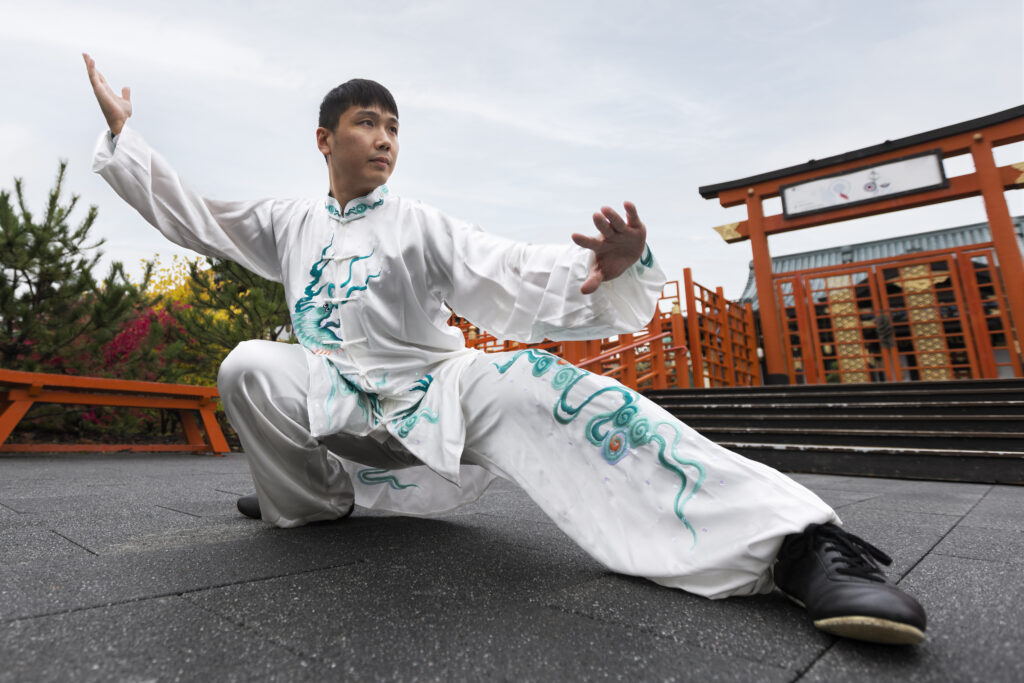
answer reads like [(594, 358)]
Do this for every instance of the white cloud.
[(151, 37)]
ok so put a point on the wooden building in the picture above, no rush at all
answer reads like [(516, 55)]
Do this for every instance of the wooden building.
[(939, 313), (928, 306)]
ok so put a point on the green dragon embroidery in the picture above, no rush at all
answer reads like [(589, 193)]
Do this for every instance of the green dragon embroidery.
[(616, 431)]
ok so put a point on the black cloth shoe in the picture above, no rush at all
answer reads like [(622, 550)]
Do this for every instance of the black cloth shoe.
[(836, 577), (250, 506)]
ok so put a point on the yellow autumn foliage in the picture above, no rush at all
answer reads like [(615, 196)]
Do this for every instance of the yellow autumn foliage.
[(170, 280)]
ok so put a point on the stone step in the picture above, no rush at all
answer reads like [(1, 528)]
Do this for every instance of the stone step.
[(994, 467), (791, 420), (841, 408), (1012, 441), (974, 385), (682, 397)]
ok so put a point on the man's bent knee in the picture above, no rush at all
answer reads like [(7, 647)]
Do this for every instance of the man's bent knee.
[(256, 357)]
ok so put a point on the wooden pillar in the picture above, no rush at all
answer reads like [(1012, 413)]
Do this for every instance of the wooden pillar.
[(627, 361), (1011, 264), (693, 324), (11, 412), (658, 365), (728, 349), (750, 343), (774, 358), (680, 354)]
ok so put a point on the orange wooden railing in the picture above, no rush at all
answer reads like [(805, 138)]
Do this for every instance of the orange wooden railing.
[(722, 344), (722, 338), (19, 391)]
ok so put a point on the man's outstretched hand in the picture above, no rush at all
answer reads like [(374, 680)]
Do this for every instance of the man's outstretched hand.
[(620, 245), (115, 109)]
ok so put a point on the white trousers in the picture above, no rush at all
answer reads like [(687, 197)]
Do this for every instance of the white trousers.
[(636, 488)]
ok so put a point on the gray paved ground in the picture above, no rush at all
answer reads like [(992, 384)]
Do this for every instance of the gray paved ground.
[(138, 568)]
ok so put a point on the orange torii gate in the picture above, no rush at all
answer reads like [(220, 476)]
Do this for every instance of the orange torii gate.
[(813, 194)]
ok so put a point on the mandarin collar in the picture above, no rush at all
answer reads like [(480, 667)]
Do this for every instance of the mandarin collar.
[(356, 208)]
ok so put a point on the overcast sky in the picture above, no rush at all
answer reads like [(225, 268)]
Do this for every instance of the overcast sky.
[(523, 117)]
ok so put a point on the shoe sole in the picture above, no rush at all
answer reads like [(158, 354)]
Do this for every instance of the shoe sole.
[(868, 629), (872, 630)]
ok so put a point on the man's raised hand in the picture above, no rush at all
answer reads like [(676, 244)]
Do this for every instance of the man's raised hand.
[(620, 245), (115, 109)]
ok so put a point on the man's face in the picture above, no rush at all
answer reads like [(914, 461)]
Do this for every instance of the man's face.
[(361, 151)]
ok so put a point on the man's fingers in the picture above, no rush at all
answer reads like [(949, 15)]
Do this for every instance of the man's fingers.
[(592, 283), (586, 242), (613, 218), (632, 217), (603, 226), (126, 93)]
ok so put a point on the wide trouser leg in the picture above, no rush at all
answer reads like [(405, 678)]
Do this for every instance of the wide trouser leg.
[(263, 386), (636, 488)]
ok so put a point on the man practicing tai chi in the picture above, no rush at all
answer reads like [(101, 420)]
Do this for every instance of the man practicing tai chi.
[(382, 405)]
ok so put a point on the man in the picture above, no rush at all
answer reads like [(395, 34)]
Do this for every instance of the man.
[(382, 405)]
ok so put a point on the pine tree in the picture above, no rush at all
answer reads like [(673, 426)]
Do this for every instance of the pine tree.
[(54, 315), (227, 305)]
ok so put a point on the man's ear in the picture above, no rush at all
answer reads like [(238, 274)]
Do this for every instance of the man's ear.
[(323, 141)]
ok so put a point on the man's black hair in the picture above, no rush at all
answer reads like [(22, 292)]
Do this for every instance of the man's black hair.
[(358, 92)]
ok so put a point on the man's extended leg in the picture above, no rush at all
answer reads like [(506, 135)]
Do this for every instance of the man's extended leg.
[(639, 490)]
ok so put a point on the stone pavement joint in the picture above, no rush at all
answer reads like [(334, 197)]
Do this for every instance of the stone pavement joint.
[(176, 585)]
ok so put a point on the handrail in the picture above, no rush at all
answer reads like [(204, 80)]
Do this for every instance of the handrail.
[(20, 390), (619, 349), (682, 364), (21, 377)]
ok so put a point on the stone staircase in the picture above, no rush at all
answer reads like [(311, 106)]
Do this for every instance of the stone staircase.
[(971, 431)]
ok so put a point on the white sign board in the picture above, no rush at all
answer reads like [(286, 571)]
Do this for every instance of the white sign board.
[(884, 181)]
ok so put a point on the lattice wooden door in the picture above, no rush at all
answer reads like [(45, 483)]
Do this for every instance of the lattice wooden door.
[(938, 317)]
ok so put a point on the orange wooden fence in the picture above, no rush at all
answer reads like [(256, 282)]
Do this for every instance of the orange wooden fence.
[(19, 391), (721, 334), (722, 338)]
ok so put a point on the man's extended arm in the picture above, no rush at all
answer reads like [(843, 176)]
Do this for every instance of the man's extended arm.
[(531, 292), (242, 232)]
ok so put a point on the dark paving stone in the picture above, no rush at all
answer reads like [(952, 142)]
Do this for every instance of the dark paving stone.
[(840, 499), (820, 481), (1002, 508), (997, 545), (509, 504), (44, 587), (764, 628), (879, 485), (24, 546), (1013, 495), (58, 504), (8, 507), (943, 502), (904, 536), (169, 537), (975, 630), (101, 531), (166, 639), (470, 626), (491, 591)]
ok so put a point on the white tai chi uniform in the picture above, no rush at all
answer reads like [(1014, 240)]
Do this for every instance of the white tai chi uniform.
[(381, 404)]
